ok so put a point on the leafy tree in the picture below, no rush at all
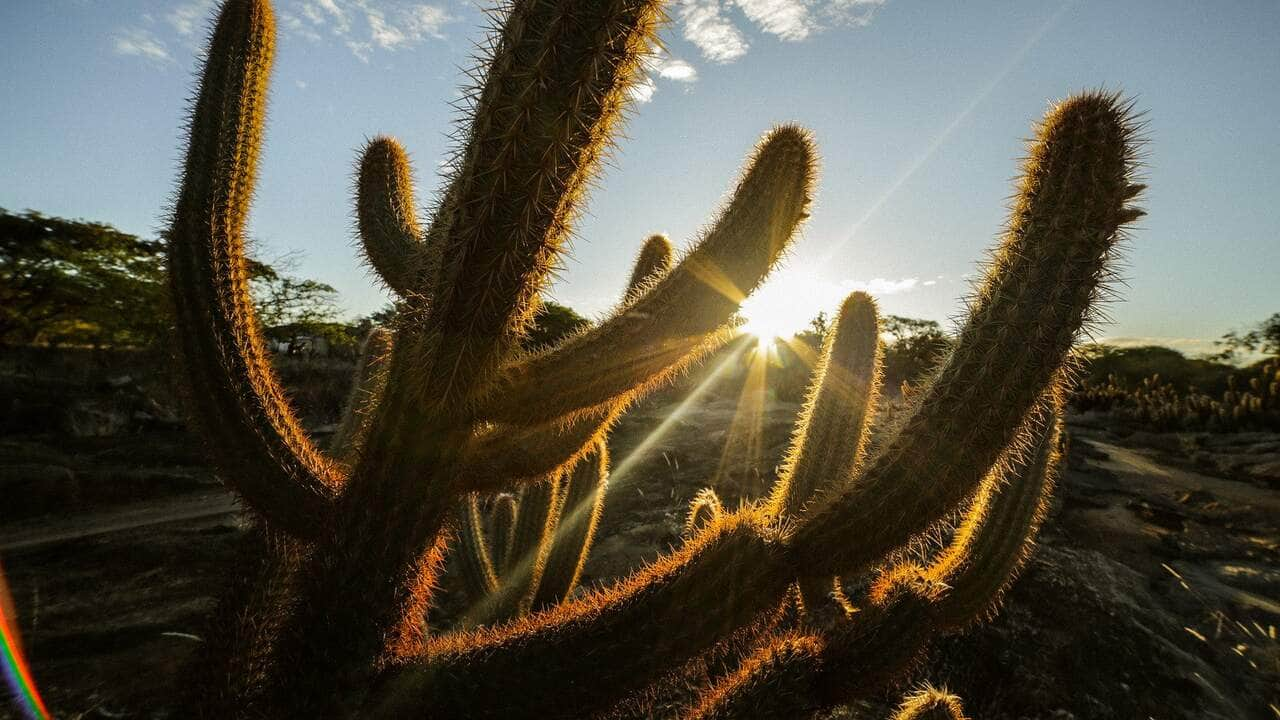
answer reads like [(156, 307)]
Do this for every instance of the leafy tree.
[(72, 281), (1131, 365), (86, 283), (1263, 338), (912, 348), (293, 310), (552, 323)]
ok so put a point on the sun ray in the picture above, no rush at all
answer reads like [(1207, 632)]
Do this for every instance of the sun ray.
[(938, 141)]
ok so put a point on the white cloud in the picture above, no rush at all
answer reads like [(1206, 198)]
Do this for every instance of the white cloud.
[(189, 17), (427, 20), (361, 50), (710, 24), (715, 36), (678, 70), (384, 34), (857, 13), (140, 43), (788, 19), (642, 91), (411, 25), (341, 23), (391, 24), (882, 286)]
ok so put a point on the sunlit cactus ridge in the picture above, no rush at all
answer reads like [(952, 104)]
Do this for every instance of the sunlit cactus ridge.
[(329, 616)]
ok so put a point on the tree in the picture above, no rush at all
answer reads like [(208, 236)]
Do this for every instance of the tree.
[(293, 311), (1263, 338), (913, 349), (552, 323), (73, 281)]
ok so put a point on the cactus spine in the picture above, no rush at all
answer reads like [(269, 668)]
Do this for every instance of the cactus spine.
[(334, 622)]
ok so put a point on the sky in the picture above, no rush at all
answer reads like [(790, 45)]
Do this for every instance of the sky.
[(920, 111)]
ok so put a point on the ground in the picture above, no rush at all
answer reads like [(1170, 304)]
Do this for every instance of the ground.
[(1153, 592)]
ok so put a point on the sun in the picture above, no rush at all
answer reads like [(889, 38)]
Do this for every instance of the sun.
[(786, 303)]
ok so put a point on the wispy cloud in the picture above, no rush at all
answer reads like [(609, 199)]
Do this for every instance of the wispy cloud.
[(642, 91), (140, 43), (364, 26), (883, 286), (189, 17), (662, 64), (788, 19), (711, 26), (706, 26), (678, 70)]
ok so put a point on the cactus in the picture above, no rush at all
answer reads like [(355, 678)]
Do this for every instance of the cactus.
[(704, 509), (930, 703), (1160, 405), (551, 540), (333, 620)]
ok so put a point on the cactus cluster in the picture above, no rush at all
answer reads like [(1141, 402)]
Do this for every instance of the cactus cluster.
[(328, 614), (1250, 402)]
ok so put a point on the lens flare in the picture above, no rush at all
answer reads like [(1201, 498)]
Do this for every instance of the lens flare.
[(16, 671)]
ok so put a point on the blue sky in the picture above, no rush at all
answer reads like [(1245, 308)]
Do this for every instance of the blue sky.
[(918, 107)]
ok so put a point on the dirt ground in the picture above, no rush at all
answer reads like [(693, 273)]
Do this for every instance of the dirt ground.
[(1155, 591)]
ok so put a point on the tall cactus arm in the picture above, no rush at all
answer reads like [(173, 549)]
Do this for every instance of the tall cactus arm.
[(502, 526), (663, 330), (651, 264), (366, 389), (472, 556), (256, 442), (387, 217), (1048, 271), (996, 537), (554, 92), (571, 542), (831, 433)]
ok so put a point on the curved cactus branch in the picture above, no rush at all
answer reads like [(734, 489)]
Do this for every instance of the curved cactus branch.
[(665, 329), (473, 556), (571, 542), (256, 442), (704, 509), (1047, 273), (366, 389), (930, 703), (998, 533), (387, 218)]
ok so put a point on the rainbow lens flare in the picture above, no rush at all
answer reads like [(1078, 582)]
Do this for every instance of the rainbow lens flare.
[(16, 671)]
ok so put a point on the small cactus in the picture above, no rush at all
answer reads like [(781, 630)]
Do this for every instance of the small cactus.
[(331, 619)]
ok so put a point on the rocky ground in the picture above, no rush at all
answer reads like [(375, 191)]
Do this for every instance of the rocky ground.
[(1155, 591)]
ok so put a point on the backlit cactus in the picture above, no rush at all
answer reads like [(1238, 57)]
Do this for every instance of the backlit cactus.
[(333, 621)]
